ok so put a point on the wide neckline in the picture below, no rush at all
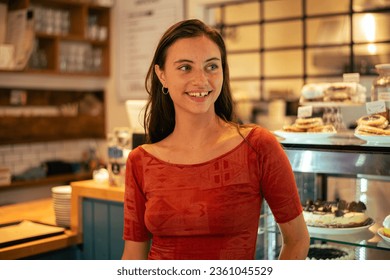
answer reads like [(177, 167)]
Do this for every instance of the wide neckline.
[(200, 163)]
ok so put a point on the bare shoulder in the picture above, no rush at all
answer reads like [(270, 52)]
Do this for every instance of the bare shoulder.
[(244, 130), (159, 150), (149, 147)]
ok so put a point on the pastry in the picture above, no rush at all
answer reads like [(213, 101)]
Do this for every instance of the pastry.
[(386, 226), (345, 92), (373, 120), (337, 214), (293, 128), (313, 92), (337, 92), (373, 125), (306, 123), (329, 252), (372, 130), (309, 125), (322, 128)]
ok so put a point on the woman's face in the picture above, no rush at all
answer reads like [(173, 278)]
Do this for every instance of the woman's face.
[(193, 75)]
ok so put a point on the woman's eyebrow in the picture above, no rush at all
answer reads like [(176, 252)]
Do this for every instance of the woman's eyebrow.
[(183, 60), (213, 58), (190, 61)]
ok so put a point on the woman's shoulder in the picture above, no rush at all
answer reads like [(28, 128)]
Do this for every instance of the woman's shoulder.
[(144, 151), (255, 131), (136, 153), (259, 135)]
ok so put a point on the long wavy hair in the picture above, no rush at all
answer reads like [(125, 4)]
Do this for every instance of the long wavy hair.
[(159, 120)]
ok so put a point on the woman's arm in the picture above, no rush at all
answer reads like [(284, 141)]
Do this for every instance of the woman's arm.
[(296, 239), (135, 250)]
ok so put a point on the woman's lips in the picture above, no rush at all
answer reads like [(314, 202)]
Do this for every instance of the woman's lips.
[(200, 94)]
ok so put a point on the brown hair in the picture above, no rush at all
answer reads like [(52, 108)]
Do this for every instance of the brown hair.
[(159, 118)]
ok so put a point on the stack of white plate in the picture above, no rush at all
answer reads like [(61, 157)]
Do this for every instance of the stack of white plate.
[(61, 201)]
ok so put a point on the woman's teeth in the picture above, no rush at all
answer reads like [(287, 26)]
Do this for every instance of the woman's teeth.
[(198, 94)]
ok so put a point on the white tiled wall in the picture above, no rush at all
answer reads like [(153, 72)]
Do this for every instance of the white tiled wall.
[(20, 157)]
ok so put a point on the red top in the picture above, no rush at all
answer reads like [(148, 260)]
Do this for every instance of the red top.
[(208, 210)]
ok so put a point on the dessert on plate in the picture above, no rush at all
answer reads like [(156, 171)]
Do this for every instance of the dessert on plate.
[(314, 92), (334, 92), (345, 92), (386, 226), (375, 124), (335, 214), (329, 252), (309, 125)]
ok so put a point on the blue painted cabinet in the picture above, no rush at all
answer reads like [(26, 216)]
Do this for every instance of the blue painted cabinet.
[(102, 229)]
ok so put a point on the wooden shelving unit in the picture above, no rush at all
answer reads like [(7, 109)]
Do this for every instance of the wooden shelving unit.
[(22, 125), (70, 49), (77, 37)]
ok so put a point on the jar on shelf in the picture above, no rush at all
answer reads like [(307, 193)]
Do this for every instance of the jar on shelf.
[(381, 87)]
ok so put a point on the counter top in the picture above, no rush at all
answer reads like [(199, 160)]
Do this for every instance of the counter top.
[(90, 189), (41, 211), (340, 140)]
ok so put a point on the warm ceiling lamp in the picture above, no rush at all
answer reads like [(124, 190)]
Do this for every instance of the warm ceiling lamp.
[(368, 27)]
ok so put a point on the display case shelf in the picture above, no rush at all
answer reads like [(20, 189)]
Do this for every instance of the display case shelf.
[(367, 238)]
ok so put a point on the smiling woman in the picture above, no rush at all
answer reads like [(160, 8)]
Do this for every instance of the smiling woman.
[(196, 188), (192, 71)]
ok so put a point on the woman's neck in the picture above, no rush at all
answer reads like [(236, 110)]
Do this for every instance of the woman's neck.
[(198, 132)]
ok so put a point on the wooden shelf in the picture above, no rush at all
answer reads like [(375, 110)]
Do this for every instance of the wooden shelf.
[(25, 126), (37, 129), (63, 179), (50, 44)]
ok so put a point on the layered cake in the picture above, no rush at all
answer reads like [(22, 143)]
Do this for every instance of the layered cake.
[(336, 214), (329, 252)]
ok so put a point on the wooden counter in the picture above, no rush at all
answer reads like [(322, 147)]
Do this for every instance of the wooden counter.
[(41, 211)]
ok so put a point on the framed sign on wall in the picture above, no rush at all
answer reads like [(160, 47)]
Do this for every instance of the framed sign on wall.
[(139, 26)]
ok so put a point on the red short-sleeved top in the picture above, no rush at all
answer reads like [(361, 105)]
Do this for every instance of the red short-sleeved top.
[(208, 210)]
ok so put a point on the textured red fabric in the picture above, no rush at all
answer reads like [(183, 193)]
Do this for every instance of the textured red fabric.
[(208, 210)]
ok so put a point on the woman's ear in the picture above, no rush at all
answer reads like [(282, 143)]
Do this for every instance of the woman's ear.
[(160, 74)]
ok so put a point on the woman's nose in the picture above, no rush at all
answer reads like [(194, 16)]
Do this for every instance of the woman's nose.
[(200, 78)]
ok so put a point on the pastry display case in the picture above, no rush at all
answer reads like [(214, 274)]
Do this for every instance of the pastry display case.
[(339, 166)]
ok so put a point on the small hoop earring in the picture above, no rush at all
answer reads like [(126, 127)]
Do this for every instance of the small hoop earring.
[(164, 90)]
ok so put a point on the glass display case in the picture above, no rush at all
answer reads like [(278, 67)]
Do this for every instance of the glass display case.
[(345, 167)]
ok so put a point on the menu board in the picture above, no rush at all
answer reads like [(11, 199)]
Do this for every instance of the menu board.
[(138, 28)]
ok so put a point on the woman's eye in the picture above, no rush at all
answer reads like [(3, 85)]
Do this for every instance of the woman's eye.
[(185, 68), (212, 67)]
